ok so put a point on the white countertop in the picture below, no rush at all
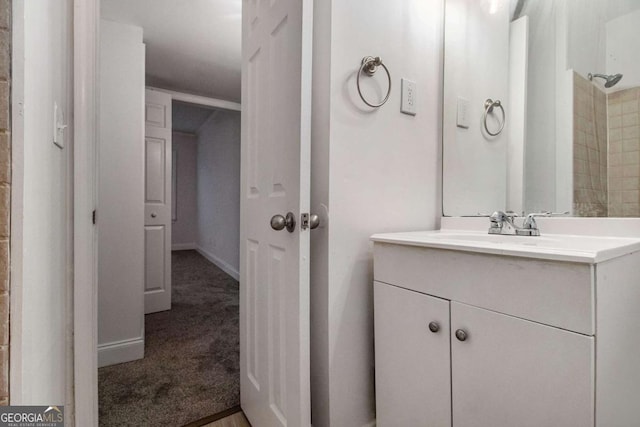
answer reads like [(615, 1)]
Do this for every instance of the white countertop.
[(556, 247)]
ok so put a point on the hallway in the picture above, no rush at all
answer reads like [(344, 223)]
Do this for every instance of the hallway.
[(191, 364)]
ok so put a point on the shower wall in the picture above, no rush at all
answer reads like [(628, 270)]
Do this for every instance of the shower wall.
[(590, 160), (624, 153), (606, 151)]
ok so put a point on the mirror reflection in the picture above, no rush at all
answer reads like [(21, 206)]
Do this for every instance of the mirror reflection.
[(541, 110)]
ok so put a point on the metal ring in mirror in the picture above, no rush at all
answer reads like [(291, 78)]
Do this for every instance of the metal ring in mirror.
[(489, 106)]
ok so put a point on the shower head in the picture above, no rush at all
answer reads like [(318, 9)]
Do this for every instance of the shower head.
[(609, 80)]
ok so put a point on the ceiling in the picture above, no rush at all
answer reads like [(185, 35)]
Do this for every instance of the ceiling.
[(188, 118), (192, 46)]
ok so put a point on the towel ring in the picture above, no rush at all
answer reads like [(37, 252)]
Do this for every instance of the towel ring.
[(489, 105), (369, 66)]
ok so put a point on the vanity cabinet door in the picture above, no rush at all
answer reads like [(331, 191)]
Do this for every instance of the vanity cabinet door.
[(511, 372), (413, 381)]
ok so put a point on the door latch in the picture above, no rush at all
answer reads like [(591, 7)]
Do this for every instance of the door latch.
[(309, 221)]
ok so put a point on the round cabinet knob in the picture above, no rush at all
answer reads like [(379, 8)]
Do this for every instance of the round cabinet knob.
[(461, 335), (279, 222), (153, 214), (434, 327)]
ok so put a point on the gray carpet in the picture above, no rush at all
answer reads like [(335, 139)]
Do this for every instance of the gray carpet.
[(191, 364)]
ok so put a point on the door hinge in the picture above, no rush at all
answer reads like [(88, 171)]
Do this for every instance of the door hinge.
[(93, 216)]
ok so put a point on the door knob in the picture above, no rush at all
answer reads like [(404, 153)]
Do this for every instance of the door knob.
[(434, 327), (279, 222), (314, 221), (153, 215), (461, 335)]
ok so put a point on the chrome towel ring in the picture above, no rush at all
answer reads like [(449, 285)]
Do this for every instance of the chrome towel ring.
[(369, 66), (489, 105)]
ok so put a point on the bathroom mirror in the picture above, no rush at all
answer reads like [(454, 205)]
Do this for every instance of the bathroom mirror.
[(541, 107)]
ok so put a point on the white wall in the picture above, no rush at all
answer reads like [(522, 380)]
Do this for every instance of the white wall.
[(586, 39), (476, 69), (121, 194), (616, 8), (548, 166), (376, 171), (623, 45), (184, 230), (218, 201), (41, 280), (517, 110), (543, 63)]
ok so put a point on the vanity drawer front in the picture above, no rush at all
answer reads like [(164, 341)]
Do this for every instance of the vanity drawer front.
[(554, 293)]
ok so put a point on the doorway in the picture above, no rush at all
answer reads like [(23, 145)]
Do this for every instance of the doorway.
[(282, 123), (168, 215)]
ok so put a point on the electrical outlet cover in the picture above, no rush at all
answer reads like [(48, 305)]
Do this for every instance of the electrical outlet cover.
[(462, 120), (408, 90)]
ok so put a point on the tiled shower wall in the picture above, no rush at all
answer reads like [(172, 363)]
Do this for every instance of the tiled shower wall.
[(624, 153), (5, 193), (589, 149)]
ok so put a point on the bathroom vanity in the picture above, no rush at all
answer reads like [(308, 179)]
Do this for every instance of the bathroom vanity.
[(477, 330)]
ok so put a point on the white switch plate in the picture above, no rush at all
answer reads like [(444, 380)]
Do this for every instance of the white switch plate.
[(463, 113), (408, 105), (58, 126)]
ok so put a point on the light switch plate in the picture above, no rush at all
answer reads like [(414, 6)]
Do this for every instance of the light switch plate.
[(408, 105), (58, 126), (463, 113)]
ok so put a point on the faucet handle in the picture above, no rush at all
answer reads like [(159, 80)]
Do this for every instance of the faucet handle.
[(502, 215), (547, 213), (497, 216), (530, 221), (498, 220)]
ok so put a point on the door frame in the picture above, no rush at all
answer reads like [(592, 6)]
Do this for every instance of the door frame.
[(75, 250), (86, 23), (85, 261)]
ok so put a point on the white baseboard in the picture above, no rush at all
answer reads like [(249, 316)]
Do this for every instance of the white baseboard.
[(120, 351), (183, 246), (222, 265)]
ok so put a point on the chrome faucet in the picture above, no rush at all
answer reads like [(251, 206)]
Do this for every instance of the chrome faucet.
[(503, 223)]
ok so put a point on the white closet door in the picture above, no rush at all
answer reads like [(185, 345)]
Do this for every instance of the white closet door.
[(157, 199)]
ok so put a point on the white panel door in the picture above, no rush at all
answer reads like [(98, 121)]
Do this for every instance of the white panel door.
[(413, 366), (157, 200), (274, 265), (512, 372)]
